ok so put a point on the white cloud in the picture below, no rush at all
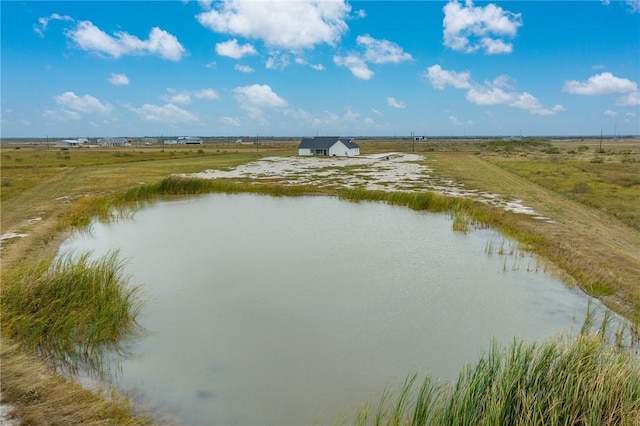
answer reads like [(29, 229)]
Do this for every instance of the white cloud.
[(230, 121), (393, 102), (382, 51), (496, 46), (167, 113), (375, 51), (277, 61), (91, 38), (482, 95), (302, 61), (44, 22), (256, 97), (361, 13), (376, 112), (610, 113), (174, 97), (455, 120), (205, 4), (524, 100), (496, 92), (503, 81), (243, 68), (61, 115), (468, 28), (205, 94), (600, 84), (630, 99), (355, 64), (234, 50), (119, 79), (184, 97), (439, 78), (211, 65), (634, 5), (87, 103), (288, 25), (488, 95), (347, 122), (545, 111)]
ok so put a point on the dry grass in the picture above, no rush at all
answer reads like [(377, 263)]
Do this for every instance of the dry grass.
[(42, 398)]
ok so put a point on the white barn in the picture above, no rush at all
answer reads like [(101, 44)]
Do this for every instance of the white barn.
[(113, 142), (332, 146), (68, 143), (184, 140)]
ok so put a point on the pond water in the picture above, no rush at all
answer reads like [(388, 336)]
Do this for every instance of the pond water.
[(291, 311)]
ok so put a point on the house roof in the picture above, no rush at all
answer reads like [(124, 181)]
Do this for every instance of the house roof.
[(326, 142)]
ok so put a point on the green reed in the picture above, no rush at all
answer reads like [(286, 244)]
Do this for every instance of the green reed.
[(71, 309), (584, 381)]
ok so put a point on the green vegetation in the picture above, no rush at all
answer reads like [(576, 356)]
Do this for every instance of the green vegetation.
[(610, 186), (510, 145), (558, 382), (193, 186), (71, 309)]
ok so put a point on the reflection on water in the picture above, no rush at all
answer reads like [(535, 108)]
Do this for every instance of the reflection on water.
[(282, 311)]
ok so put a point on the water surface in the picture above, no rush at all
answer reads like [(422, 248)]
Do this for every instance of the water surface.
[(286, 311)]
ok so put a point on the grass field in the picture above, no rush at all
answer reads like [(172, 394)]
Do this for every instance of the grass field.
[(591, 194)]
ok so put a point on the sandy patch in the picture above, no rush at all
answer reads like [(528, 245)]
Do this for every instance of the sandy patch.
[(18, 234), (6, 415), (391, 171)]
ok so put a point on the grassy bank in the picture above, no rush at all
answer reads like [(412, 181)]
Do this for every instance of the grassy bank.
[(70, 310), (557, 382), (42, 398), (65, 314)]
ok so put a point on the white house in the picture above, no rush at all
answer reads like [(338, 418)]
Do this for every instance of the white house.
[(67, 143), (332, 146), (184, 140), (113, 142)]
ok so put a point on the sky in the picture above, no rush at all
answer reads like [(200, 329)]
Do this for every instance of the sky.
[(328, 68)]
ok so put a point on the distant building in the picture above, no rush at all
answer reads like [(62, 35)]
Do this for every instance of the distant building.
[(113, 142), (66, 143), (332, 146), (184, 140)]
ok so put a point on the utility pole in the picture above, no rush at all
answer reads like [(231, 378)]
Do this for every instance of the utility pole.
[(413, 141), (600, 150)]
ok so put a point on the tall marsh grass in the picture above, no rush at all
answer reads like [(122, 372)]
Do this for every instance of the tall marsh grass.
[(558, 382), (466, 213), (175, 185), (70, 309)]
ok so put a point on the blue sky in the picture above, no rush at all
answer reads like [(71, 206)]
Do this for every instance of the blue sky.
[(329, 67)]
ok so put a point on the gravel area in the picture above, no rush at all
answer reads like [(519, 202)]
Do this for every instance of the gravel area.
[(390, 171)]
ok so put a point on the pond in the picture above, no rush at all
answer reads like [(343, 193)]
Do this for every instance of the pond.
[(282, 310)]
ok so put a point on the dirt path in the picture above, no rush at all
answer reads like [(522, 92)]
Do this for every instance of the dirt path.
[(596, 241)]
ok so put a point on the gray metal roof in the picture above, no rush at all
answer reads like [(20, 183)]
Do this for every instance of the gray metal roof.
[(326, 142)]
